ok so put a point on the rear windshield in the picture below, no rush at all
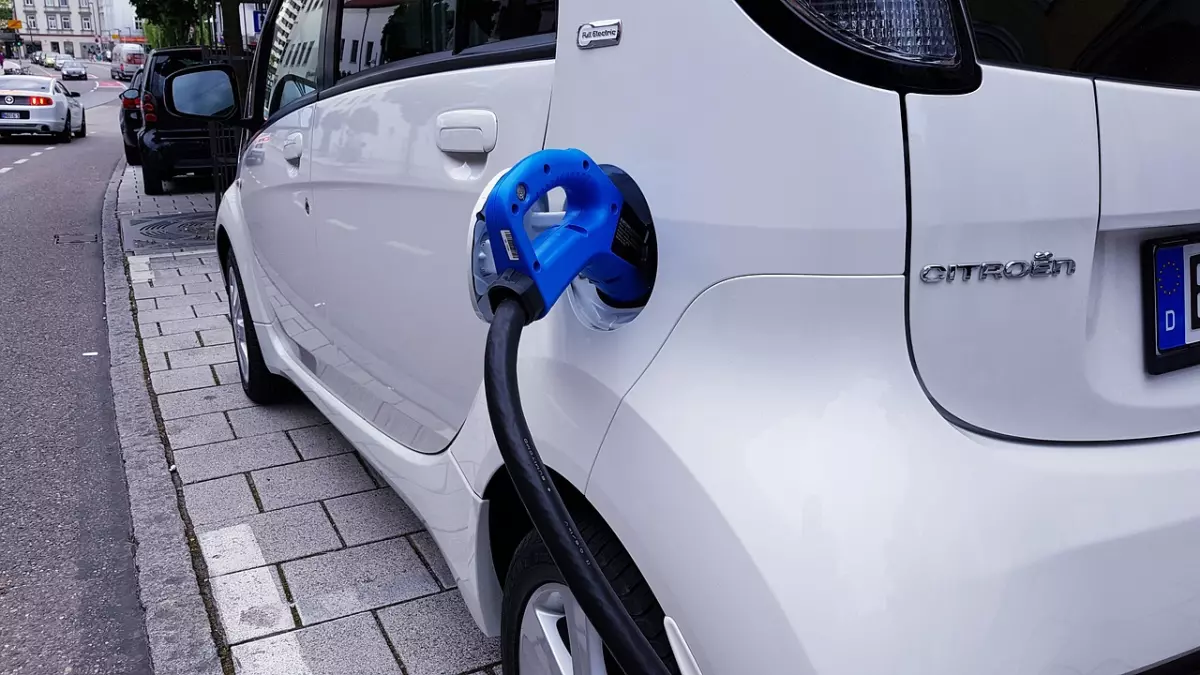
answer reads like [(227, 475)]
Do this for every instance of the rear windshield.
[(166, 64), (1152, 42), (24, 84)]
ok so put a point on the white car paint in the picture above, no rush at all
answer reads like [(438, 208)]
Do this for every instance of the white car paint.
[(760, 437)]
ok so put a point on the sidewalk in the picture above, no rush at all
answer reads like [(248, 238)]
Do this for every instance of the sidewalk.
[(309, 563)]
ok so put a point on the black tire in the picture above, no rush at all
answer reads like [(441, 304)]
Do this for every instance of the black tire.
[(532, 567), (260, 384), (65, 135), (82, 127), (132, 156), (152, 181)]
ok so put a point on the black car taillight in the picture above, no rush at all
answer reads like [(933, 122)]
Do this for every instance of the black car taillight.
[(148, 114), (905, 45)]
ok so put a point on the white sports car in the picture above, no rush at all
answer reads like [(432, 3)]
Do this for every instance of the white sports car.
[(40, 105), (13, 67)]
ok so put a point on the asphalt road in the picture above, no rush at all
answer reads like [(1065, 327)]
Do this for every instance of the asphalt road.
[(68, 592)]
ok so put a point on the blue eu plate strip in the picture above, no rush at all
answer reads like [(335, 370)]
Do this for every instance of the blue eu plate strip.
[(1169, 289)]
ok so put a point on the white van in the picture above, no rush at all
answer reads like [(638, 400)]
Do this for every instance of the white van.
[(916, 390), (126, 59)]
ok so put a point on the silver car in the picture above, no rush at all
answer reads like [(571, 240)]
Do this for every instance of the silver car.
[(74, 70), (40, 105)]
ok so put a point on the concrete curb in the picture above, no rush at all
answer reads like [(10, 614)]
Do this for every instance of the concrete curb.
[(177, 624)]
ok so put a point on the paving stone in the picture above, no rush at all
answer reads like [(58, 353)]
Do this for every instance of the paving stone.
[(171, 342), (436, 635), (217, 336), (201, 356), (173, 263), (179, 379), (144, 290), (145, 305), (203, 286), (220, 500), (193, 325), (239, 455), (168, 314), (186, 432), (428, 548), (321, 441), (156, 361), (211, 308), (372, 516), (264, 419), (181, 300), (176, 279), (227, 373), (353, 580), (200, 401), (272, 537), (251, 604), (309, 481), (350, 645)]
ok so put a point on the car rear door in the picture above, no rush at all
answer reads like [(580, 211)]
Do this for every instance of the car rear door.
[(1032, 200), (402, 146), (275, 165)]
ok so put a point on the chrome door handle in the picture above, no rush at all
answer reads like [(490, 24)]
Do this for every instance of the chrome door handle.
[(293, 148), (467, 131)]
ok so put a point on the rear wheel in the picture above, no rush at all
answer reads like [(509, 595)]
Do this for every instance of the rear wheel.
[(64, 136), (82, 127), (131, 155), (152, 181), (259, 383), (544, 632)]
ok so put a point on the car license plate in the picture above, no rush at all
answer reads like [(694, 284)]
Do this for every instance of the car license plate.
[(10, 115), (1171, 268)]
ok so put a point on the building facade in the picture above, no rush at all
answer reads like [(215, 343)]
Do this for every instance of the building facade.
[(70, 27)]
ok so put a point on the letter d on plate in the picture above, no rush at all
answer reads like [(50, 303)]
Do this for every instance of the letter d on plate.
[(1168, 297)]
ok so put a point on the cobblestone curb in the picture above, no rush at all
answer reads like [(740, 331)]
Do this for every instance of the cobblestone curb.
[(177, 623)]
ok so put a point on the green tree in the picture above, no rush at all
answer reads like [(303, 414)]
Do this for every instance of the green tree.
[(173, 19)]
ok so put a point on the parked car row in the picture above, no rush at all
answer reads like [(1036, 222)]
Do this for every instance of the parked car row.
[(166, 145)]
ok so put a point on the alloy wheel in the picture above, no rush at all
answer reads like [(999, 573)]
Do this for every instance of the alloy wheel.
[(556, 637), (238, 318)]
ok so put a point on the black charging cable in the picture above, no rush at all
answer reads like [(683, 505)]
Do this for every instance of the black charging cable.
[(549, 514)]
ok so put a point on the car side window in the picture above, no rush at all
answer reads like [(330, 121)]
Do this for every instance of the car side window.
[(377, 32), (58, 87), (295, 54), (496, 20)]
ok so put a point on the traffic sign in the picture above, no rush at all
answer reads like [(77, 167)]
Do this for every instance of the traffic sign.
[(15, 24), (258, 21)]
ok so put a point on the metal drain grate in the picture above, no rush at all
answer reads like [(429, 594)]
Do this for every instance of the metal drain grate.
[(76, 239), (178, 230)]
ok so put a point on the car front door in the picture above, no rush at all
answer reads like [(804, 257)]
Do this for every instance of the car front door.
[(73, 104), (275, 167), (403, 144)]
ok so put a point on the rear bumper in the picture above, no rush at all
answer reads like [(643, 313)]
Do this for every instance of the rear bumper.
[(41, 121), (174, 152)]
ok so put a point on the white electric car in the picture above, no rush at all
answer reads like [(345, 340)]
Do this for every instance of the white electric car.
[(31, 104), (914, 391)]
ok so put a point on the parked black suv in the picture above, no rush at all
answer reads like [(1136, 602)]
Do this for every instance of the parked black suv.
[(169, 145), (131, 118)]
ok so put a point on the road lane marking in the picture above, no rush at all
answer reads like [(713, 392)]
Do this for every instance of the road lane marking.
[(21, 161), (49, 147), (6, 169), (34, 154)]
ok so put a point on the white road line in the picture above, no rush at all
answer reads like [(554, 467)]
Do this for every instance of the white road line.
[(49, 147), (6, 169), (34, 154), (21, 161)]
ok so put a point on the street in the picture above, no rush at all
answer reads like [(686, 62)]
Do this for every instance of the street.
[(68, 593)]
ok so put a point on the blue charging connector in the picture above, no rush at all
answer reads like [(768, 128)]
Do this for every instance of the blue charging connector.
[(597, 238)]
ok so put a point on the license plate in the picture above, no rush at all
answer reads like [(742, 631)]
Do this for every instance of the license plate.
[(10, 115), (1172, 297)]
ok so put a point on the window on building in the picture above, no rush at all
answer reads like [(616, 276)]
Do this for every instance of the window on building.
[(394, 30), (137, 24), (29, 3), (31, 21), (52, 24), (66, 23), (53, 47), (69, 47), (64, 3), (85, 22)]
